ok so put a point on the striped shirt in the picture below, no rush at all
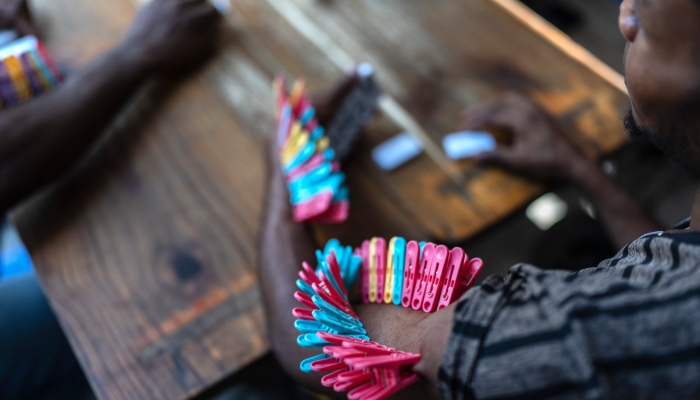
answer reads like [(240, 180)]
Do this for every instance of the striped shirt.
[(627, 329)]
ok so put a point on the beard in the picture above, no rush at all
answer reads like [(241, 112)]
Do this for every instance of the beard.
[(633, 129), (673, 139)]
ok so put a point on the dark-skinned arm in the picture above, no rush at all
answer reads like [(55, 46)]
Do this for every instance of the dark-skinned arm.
[(284, 246), (41, 139), (541, 150)]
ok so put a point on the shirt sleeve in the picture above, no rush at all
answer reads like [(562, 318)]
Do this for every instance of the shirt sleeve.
[(620, 330)]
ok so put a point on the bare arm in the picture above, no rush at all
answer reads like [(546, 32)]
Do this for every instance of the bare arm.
[(40, 140), (624, 219), (542, 151), (284, 246)]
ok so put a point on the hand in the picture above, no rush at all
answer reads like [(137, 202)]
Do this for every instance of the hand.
[(540, 149), (14, 14), (174, 36)]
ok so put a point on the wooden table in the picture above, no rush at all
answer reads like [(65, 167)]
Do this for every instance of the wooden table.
[(148, 251)]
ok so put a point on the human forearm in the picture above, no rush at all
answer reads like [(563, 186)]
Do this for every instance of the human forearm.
[(41, 139), (284, 245), (624, 218)]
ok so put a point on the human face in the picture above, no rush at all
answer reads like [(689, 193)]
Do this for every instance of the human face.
[(662, 70)]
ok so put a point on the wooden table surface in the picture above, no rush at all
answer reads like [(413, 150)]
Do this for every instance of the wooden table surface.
[(148, 252)]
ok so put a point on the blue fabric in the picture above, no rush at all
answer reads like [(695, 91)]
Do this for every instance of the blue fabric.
[(36, 361), (14, 258)]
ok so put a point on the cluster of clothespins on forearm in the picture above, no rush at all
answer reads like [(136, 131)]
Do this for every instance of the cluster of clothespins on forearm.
[(423, 276), (316, 184), (353, 363), (26, 71)]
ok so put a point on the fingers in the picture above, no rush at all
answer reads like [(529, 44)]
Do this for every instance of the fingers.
[(504, 157), (204, 14), (25, 27), (511, 111)]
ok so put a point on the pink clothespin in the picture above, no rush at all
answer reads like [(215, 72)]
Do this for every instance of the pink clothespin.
[(312, 208), (364, 272), (470, 271), (423, 269), (411, 264), (314, 162), (327, 364), (436, 274), (334, 268), (303, 313), (305, 300), (348, 380), (328, 293), (337, 212), (380, 257), (307, 274), (454, 267)]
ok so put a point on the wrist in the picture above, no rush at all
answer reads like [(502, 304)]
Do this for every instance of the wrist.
[(580, 169), (134, 59)]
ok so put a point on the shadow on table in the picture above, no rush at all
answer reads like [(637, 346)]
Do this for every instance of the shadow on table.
[(262, 380)]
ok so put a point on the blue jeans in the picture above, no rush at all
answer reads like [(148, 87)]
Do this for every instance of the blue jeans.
[(36, 361)]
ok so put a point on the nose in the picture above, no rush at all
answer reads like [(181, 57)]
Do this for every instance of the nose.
[(628, 21)]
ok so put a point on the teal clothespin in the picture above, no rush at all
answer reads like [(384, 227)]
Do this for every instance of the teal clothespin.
[(305, 365), (399, 261)]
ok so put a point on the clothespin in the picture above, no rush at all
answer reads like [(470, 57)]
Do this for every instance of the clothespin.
[(314, 206), (426, 261), (399, 258), (334, 269), (303, 313), (307, 115), (314, 162), (454, 268), (389, 274), (285, 121), (329, 185), (431, 294), (467, 277), (307, 274), (411, 266), (297, 92), (365, 271), (305, 365), (373, 270), (305, 300), (380, 255)]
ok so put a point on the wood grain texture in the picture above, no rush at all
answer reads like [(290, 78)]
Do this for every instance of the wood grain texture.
[(148, 251)]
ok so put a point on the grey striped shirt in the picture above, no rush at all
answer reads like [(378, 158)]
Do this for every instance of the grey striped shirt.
[(627, 329)]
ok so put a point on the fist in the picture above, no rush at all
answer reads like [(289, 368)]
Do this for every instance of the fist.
[(15, 15), (174, 36)]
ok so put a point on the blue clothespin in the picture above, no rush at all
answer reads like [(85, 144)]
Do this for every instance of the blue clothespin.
[(305, 287), (312, 177), (337, 324), (331, 309), (326, 271), (307, 115), (301, 157), (399, 261), (355, 266), (331, 184), (305, 365), (311, 341)]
